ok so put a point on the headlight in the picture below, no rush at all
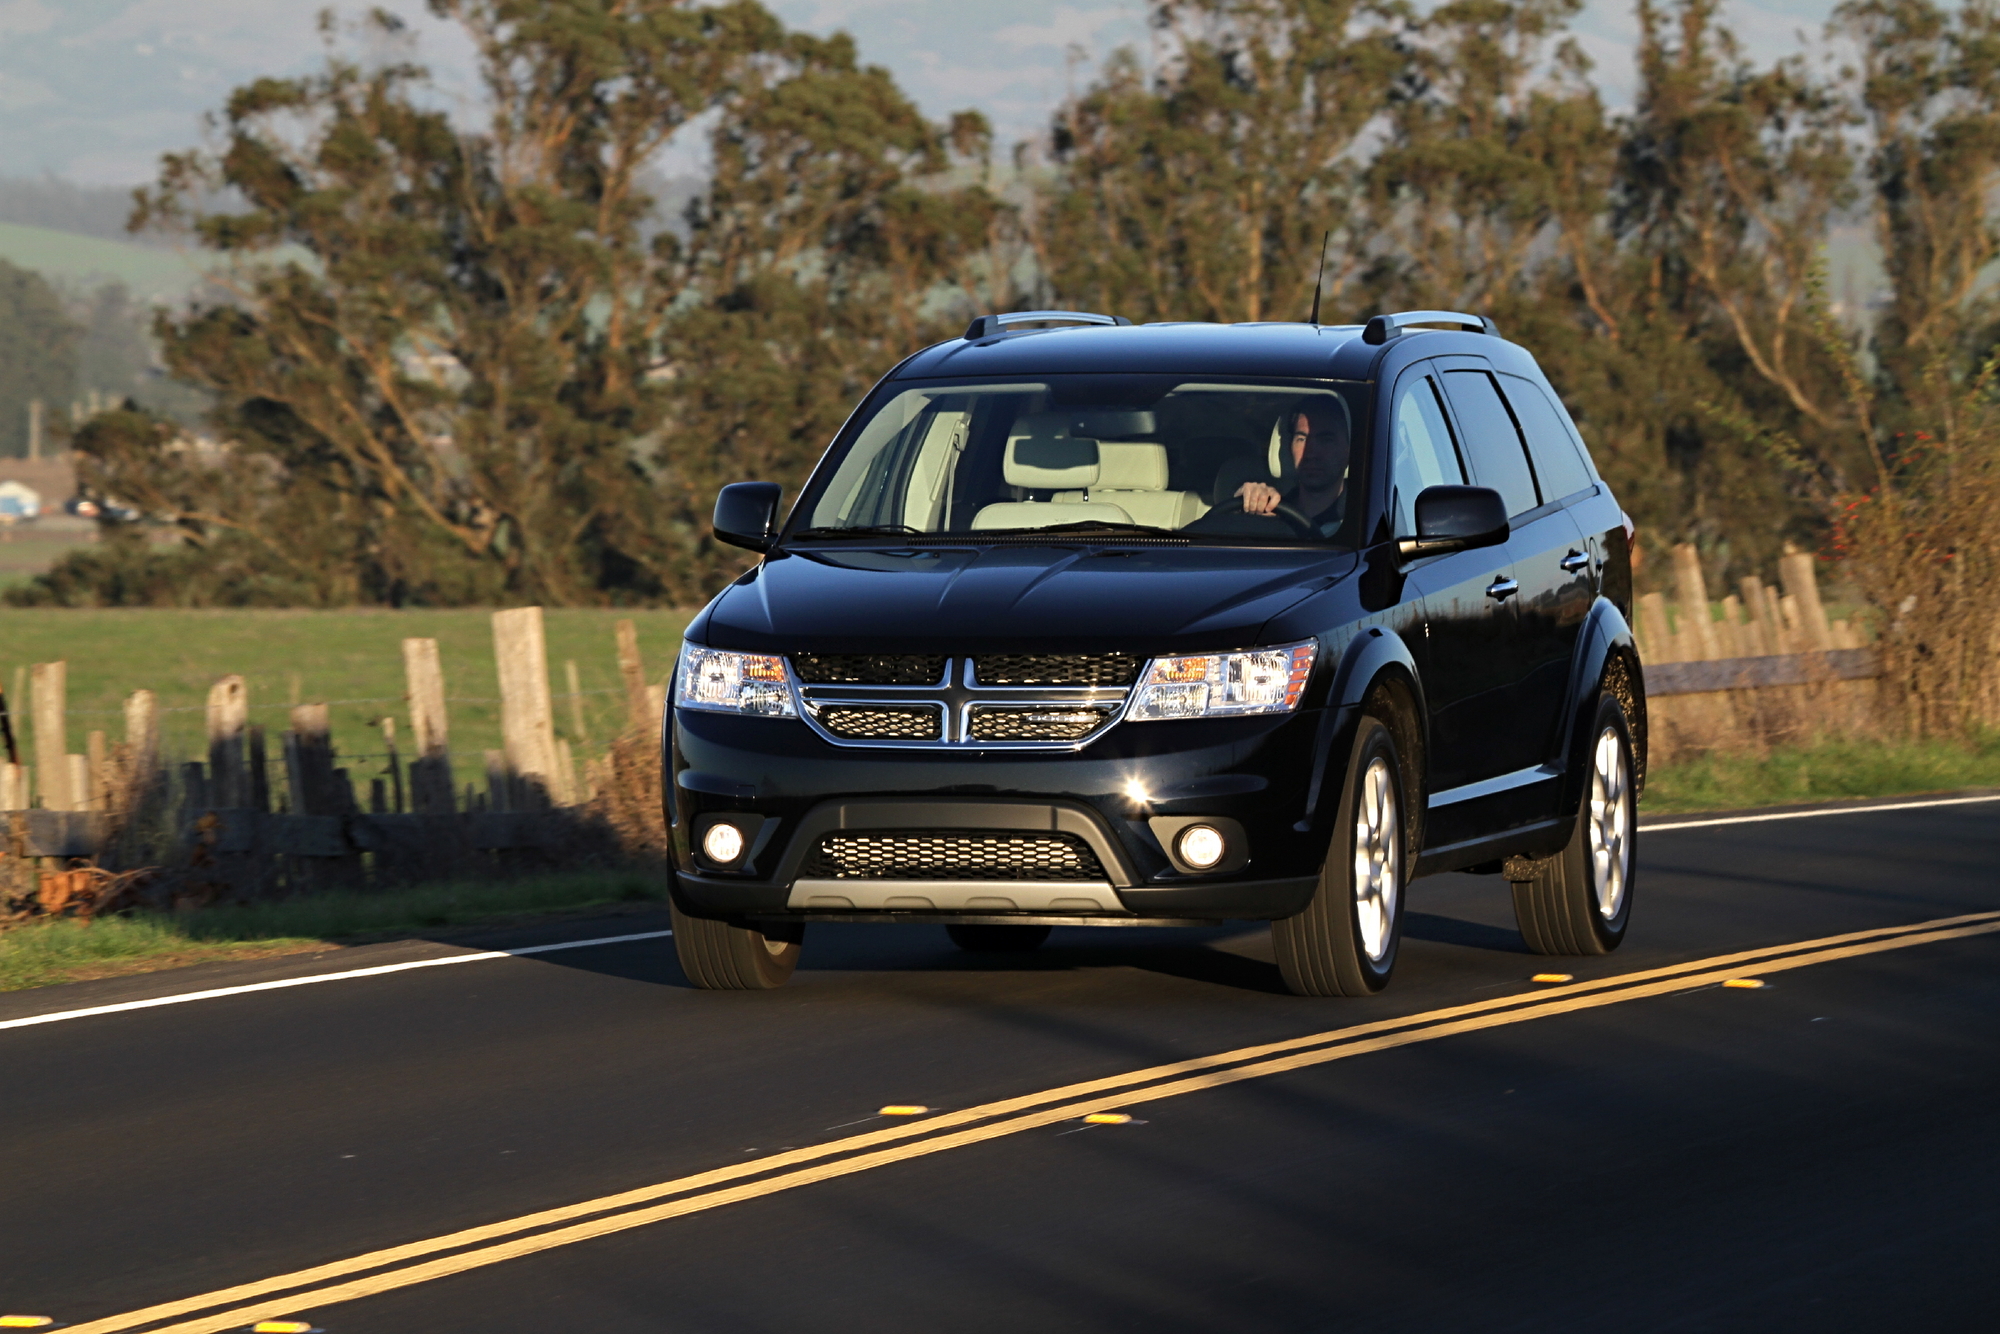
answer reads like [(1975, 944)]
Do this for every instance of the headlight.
[(724, 682), (1219, 685)]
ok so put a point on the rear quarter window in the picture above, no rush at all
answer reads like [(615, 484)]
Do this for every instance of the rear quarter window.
[(1560, 464)]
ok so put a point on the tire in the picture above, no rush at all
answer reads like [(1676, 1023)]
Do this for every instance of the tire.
[(997, 939), (1345, 942), (717, 956), (1580, 900)]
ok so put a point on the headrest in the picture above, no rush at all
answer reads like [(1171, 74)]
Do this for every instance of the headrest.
[(1131, 466), (1043, 456)]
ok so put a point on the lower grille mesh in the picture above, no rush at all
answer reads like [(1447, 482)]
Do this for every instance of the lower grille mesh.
[(883, 722), (952, 855)]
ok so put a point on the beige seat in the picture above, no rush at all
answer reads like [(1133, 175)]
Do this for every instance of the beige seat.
[(1043, 456), (1133, 476)]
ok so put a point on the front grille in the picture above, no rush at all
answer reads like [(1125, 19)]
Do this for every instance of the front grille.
[(949, 854), (1057, 669), (869, 669), (883, 722), (1044, 723)]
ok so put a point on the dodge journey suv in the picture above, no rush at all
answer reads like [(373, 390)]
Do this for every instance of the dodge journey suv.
[(1083, 623)]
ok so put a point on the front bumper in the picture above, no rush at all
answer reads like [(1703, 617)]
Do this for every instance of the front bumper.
[(1122, 797)]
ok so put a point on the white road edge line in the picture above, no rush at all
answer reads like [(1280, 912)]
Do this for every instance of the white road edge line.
[(378, 971), (1807, 815)]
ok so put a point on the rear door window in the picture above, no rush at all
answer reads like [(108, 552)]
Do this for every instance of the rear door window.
[(1424, 452), (1494, 445), (1559, 463)]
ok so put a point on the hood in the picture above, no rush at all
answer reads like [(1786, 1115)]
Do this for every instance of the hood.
[(1144, 600)]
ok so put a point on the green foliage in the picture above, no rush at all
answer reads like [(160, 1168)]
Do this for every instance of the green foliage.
[(37, 358)]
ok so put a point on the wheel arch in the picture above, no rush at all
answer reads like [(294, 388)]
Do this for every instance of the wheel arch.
[(1607, 658), (1377, 665)]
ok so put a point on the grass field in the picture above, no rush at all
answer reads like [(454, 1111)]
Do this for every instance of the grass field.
[(351, 660)]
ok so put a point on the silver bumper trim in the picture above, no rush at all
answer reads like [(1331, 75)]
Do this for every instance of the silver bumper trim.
[(978, 896)]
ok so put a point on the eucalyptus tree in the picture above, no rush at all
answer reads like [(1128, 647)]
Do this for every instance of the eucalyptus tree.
[(1203, 188)]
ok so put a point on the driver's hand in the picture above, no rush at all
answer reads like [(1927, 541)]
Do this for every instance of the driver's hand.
[(1258, 498)]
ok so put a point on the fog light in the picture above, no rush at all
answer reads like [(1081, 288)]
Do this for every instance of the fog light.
[(723, 842), (1200, 846)]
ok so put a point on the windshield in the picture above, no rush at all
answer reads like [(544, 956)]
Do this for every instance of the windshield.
[(1201, 459)]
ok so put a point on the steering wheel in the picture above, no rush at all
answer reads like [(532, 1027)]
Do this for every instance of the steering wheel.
[(1306, 527)]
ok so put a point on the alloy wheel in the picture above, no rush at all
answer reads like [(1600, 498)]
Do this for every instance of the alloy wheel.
[(1610, 824), (1377, 859)]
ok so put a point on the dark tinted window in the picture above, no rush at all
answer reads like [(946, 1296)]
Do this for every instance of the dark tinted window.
[(1559, 465), (1497, 458), (1423, 452)]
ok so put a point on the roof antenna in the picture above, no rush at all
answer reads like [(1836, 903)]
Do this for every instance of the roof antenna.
[(1317, 277)]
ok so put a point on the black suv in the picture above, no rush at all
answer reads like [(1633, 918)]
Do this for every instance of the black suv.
[(1091, 624)]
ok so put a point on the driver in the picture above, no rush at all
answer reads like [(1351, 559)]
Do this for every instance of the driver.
[(1313, 454)]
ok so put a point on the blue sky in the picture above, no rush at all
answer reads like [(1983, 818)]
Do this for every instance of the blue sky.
[(96, 90)]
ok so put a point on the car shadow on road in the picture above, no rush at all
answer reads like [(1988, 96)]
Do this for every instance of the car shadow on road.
[(1441, 930)]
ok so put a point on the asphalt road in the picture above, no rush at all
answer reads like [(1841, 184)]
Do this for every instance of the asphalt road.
[(1816, 1154)]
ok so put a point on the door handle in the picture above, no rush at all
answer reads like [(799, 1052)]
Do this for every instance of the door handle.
[(1502, 589), (1575, 561)]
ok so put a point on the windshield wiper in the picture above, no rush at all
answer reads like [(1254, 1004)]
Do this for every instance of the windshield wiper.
[(1083, 526), (865, 530)]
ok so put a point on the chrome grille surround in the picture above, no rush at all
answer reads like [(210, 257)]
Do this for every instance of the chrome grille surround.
[(952, 854), (969, 710)]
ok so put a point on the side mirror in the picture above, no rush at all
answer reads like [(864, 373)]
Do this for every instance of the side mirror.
[(1455, 518), (746, 514)]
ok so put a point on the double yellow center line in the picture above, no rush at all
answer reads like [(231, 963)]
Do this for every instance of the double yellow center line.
[(473, 1248)]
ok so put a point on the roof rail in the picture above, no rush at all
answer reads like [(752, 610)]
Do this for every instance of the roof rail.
[(1384, 327), (988, 325)]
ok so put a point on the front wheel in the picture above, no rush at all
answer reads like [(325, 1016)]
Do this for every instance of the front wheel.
[(717, 956), (1345, 942), (1580, 900)]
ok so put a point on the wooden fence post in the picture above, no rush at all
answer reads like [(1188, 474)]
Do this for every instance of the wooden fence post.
[(100, 776), (1654, 631), (527, 720), (48, 684), (1697, 625), (309, 763), (13, 786), (260, 772), (1802, 582), (430, 772), (228, 717), (142, 730), (633, 670)]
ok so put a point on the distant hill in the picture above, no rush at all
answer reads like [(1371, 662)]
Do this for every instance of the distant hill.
[(68, 259)]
